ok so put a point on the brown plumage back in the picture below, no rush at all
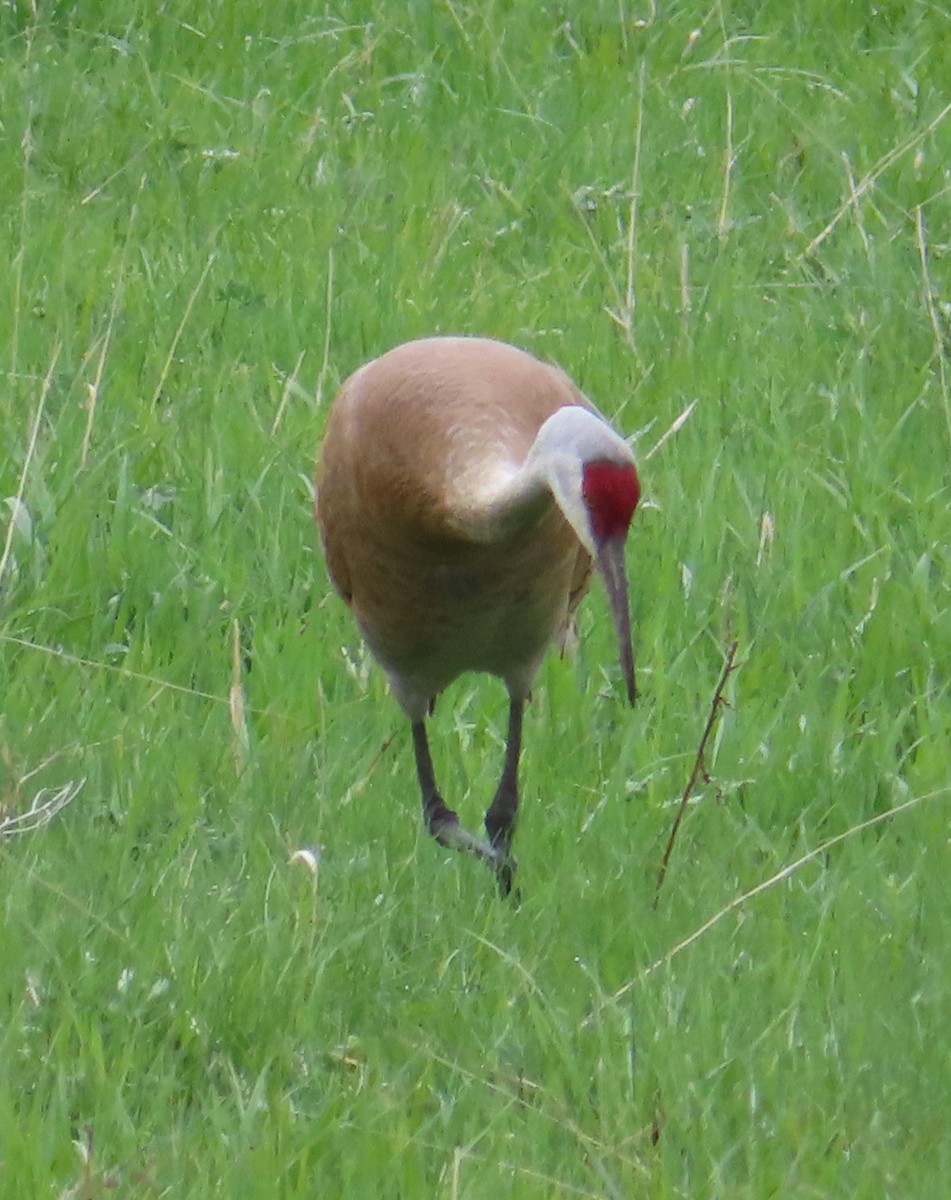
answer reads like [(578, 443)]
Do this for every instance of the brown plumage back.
[(411, 433), (411, 441)]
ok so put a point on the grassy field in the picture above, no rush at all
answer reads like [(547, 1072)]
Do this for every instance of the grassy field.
[(213, 213)]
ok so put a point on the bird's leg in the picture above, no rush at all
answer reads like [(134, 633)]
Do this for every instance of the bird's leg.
[(435, 811), (503, 812), (441, 821)]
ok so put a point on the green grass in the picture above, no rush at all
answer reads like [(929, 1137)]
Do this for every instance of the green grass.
[(213, 213)]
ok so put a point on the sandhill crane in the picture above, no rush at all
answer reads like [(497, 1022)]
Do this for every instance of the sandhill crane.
[(464, 489)]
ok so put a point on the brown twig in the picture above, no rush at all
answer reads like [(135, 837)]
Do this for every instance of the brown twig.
[(699, 768)]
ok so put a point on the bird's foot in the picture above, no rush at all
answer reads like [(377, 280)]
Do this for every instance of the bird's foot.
[(503, 863), (504, 875), (445, 828), (448, 832), (500, 832)]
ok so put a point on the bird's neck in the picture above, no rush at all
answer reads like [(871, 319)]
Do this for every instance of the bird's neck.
[(502, 502), (576, 463)]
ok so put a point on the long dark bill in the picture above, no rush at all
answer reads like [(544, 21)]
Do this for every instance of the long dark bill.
[(611, 565)]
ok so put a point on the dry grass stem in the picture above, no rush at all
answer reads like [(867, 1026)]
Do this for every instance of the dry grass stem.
[(43, 808), (676, 425), (868, 180), (785, 872), (236, 704), (24, 473), (940, 332), (328, 327), (699, 768), (176, 338), (290, 385)]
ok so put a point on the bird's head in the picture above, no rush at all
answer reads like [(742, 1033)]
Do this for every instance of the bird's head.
[(590, 470)]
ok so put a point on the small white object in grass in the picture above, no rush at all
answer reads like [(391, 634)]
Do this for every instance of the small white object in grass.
[(767, 530), (34, 988), (20, 518), (309, 856), (159, 987)]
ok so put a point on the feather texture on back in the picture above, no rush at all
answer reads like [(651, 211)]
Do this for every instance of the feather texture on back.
[(445, 573)]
